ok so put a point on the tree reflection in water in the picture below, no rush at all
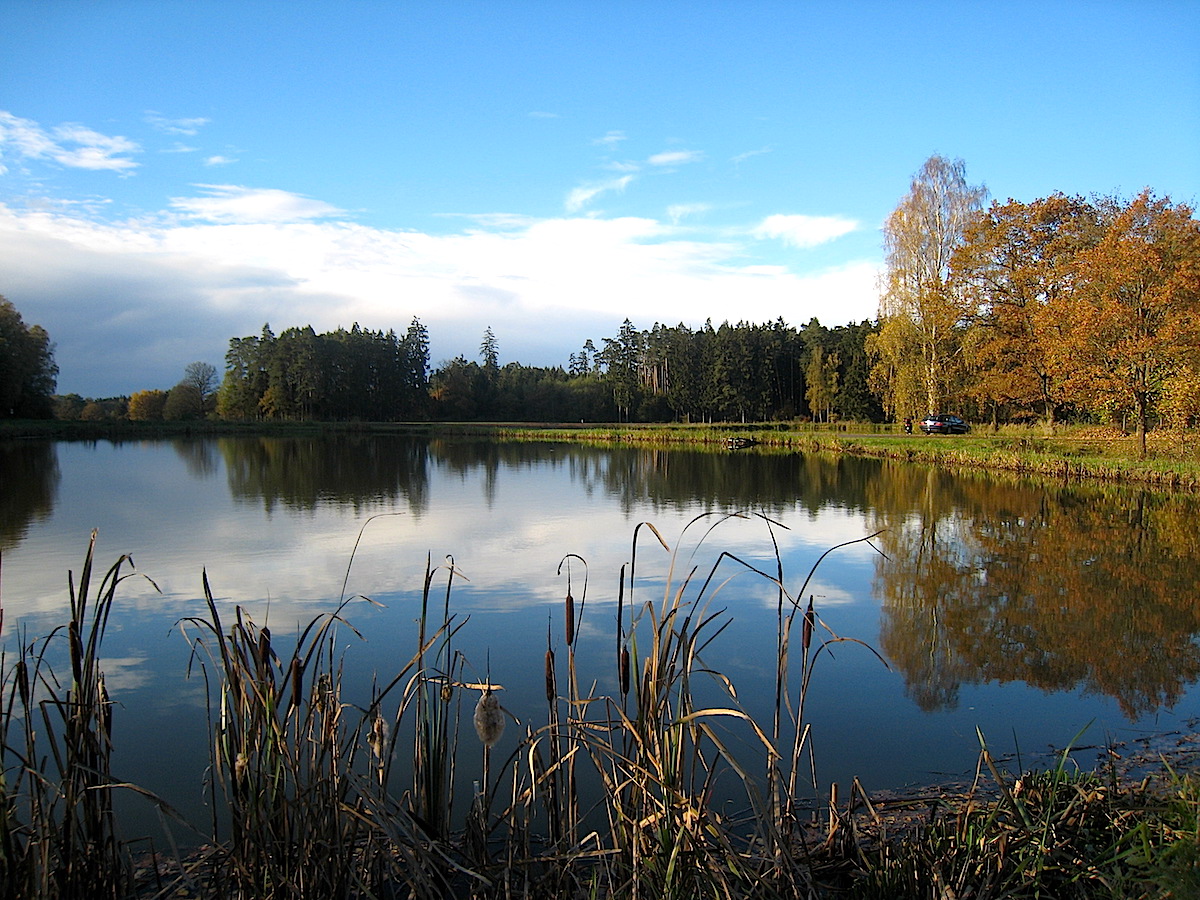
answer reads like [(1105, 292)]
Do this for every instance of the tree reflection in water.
[(29, 478), (986, 579), (1063, 588), (300, 473)]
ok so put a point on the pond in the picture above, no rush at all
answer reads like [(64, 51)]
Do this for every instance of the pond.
[(1029, 612)]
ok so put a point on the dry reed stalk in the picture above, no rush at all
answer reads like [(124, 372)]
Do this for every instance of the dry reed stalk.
[(58, 837), (305, 775)]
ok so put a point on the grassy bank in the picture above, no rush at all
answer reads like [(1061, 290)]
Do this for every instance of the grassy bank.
[(1173, 460), (607, 794), (1069, 453)]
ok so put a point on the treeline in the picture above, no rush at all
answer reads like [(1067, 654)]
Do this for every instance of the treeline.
[(1063, 307), (341, 375), (742, 372)]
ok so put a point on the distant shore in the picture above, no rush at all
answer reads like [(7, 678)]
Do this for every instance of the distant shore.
[(1076, 452)]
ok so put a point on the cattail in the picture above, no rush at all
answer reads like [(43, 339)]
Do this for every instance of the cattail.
[(551, 685), (105, 711), (489, 719), (570, 619), (809, 618), (377, 738), (23, 683), (624, 671), (264, 645), (76, 650), (296, 676)]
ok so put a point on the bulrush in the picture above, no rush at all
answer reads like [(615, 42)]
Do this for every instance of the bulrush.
[(809, 618), (569, 618), (551, 683), (489, 719)]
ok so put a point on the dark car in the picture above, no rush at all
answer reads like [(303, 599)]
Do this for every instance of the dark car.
[(944, 425)]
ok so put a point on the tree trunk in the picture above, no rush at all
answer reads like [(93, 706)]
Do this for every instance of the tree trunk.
[(1142, 415)]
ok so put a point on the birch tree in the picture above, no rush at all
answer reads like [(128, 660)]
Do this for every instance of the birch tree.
[(918, 349)]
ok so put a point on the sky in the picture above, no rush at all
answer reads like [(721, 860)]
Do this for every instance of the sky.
[(174, 174)]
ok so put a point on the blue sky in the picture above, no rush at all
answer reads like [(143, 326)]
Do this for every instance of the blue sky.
[(174, 174)]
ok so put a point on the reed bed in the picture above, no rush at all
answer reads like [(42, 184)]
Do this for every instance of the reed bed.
[(611, 794)]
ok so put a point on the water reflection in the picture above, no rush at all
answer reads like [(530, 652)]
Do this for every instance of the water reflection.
[(986, 580), (360, 473), (1061, 588), (198, 455), (29, 478), (673, 478)]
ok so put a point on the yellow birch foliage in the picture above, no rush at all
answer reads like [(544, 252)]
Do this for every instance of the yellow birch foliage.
[(918, 353)]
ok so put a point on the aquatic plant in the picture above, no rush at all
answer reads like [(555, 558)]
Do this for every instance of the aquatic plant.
[(614, 795)]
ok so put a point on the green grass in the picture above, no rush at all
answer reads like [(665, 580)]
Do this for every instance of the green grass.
[(1173, 460)]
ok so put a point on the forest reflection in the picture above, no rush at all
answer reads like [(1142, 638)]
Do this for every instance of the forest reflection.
[(361, 473), (986, 579), (1063, 588), (29, 477)]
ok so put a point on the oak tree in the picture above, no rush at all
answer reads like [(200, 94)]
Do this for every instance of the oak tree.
[(1131, 326), (1013, 262)]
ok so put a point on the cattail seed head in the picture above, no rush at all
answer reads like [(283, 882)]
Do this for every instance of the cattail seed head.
[(569, 613), (624, 671), (264, 644), (809, 618), (105, 711), (296, 676), (377, 737), (23, 683), (489, 719), (551, 684)]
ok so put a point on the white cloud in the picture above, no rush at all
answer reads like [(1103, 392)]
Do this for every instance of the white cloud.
[(158, 292), (677, 211), (804, 231), (70, 145), (231, 204), (219, 161), (742, 157), (611, 139), (675, 157), (582, 196), (176, 126)]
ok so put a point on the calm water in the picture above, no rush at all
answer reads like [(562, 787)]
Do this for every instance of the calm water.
[(1028, 611)]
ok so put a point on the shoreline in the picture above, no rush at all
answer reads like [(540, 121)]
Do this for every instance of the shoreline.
[(1074, 454)]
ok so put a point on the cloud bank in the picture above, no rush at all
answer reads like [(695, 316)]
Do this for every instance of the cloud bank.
[(130, 304)]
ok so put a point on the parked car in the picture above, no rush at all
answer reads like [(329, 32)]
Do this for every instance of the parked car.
[(939, 424)]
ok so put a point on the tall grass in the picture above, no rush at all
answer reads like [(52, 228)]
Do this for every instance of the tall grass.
[(58, 837), (648, 779)]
